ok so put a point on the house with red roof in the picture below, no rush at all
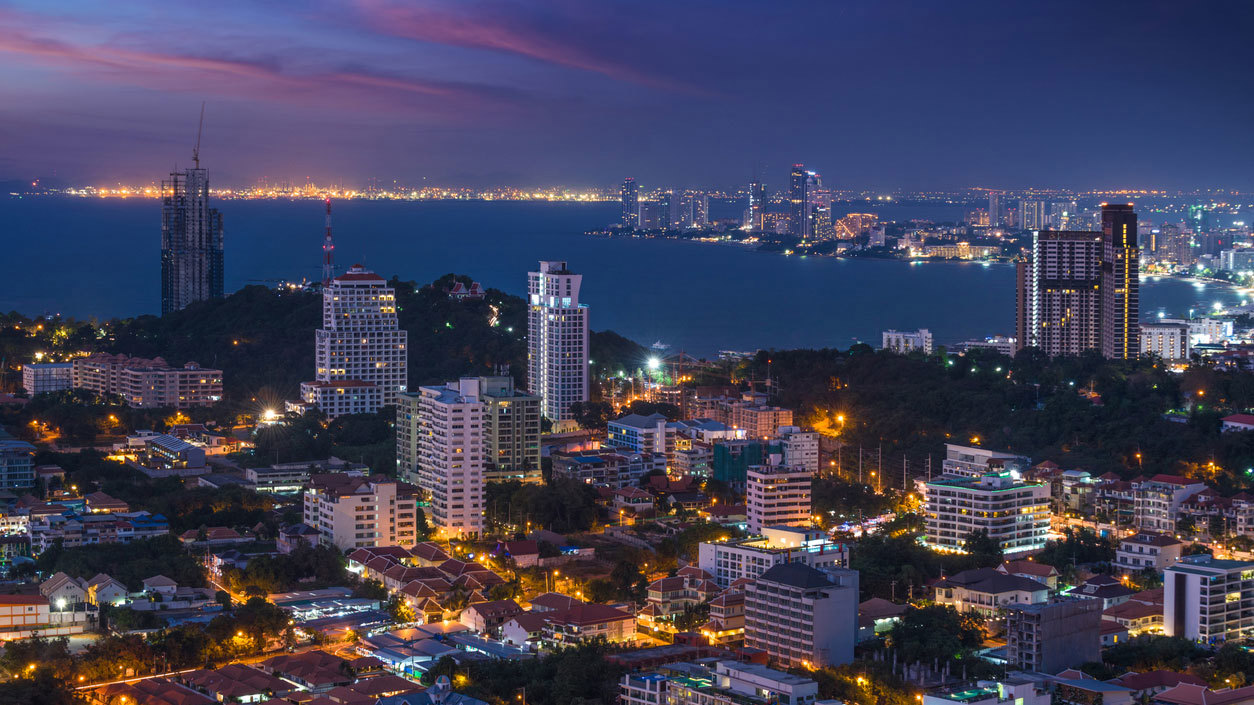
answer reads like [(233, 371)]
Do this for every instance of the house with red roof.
[(1238, 422), (1040, 572)]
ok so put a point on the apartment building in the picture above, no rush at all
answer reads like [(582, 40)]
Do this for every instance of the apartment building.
[(1208, 600), (800, 448), (557, 340), (339, 398), (720, 683), (47, 377), (616, 470), (906, 341), (1147, 550), (1170, 341), (1048, 637), (801, 616), (360, 512), (777, 495), (17, 464), (1014, 512), (729, 561), (987, 591), (1157, 501), (643, 434), (449, 466), (973, 461), (511, 431), (148, 384)]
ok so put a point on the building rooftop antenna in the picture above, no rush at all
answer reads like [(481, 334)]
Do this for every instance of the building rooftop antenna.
[(199, 129)]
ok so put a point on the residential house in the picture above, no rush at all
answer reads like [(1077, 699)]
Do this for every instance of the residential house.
[(987, 591)]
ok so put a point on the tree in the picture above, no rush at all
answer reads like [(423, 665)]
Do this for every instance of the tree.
[(926, 634), (984, 550)]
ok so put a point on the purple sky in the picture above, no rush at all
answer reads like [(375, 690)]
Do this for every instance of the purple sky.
[(872, 93)]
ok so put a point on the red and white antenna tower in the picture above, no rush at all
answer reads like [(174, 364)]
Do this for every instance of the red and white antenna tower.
[(328, 250)]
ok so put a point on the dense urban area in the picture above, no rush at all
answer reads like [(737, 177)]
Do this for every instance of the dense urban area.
[(367, 491)]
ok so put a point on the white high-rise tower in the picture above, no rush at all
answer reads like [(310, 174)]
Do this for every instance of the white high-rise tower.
[(557, 340), (361, 350)]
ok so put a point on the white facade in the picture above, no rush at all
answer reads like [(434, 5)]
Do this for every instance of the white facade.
[(450, 458), (777, 495), (642, 434), (45, 377), (1015, 513), (557, 340), (904, 341), (801, 448), (349, 396), (729, 561), (1208, 600), (1170, 341), (355, 512), (1157, 501), (803, 617), (360, 338)]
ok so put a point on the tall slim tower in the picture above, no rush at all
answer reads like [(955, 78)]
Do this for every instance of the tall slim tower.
[(631, 203), (361, 340), (557, 340), (328, 251), (757, 202), (798, 202), (1121, 287), (995, 213), (191, 241)]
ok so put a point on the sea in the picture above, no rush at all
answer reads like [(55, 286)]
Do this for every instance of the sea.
[(100, 258)]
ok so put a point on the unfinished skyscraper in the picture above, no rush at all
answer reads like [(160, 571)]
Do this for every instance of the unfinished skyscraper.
[(191, 241)]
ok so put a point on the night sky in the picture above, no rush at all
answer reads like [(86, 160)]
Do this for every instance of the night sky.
[(876, 94)]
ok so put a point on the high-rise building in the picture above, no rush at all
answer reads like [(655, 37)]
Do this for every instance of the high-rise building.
[(1015, 513), (511, 431), (631, 203), (1121, 284), (44, 377), (800, 448), (1063, 293), (1208, 600), (191, 241), (450, 457), (757, 204), (904, 342), (737, 559), (798, 203), (1032, 214), (1063, 215), (777, 495), (1023, 275), (557, 340), (801, 616), (996, 211), (360, 342), (351, 511)]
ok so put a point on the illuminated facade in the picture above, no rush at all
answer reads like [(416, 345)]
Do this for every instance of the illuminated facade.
[(757, 204), (1014, 512), (449, 463), (798, 203), (148, 384), (191, 242), (777, 495), (360, 339), (557, 340), (1208, 600), (1121, 284), (729, 561), (1063, 297), (631, 203)]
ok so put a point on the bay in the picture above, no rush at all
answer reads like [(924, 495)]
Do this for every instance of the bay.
[(100, 257)]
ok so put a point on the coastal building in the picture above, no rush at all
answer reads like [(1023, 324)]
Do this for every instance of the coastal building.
[(1063, 300), (47, 377), (1208, 600), (148, 384), (192, 264), (777, 495), (1014, 512), (1121, 283), (1170, 341), (557, 341), (757, 205), (630, 195), (801, 616), (359, 344), (1048, 637), (903, 342), (746, 559), (360, 512), (449, 462)]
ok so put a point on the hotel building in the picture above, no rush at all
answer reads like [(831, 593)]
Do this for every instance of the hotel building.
[(557, 341), (1014, 512), (148, 384)]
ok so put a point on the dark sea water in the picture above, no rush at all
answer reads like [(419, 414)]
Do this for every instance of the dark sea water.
[(88, 257)]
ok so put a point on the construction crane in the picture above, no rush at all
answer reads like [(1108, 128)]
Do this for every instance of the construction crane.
[(199, 129)]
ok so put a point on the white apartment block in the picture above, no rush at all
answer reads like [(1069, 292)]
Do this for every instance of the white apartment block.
[(803, 617), (1170, 341), (800, 448), (973, 461), (360, 338), (1157, 501), (46, 377), (643, 434), (904, 341), (1208, 600), (451, 455), (557, 340), (777, 495), (148, 384), (360, 512), (1014, 512), (1147, 550), (347, 396), (729, 561)]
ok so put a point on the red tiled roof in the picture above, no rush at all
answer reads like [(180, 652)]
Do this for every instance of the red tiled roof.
[(1161, 678)]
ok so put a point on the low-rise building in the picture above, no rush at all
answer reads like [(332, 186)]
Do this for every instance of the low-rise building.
[(355, 512), (903, 342), (1007, 692), (47, 377), (1170, 341), (1137, 617), (148, 384), (729, 561), (1147, 550), (1040, 572), (723, 683), (987, 591), (801, 616), (339, 398)]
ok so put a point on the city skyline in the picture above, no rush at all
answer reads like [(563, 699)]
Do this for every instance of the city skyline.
[(908, 96)]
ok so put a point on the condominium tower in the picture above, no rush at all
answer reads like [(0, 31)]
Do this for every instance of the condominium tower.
[(360, 342), (191, 242), (798, 202), (631, 203), (1121, 336), (449, 462), (1063, 297), (777, 495), (557, 340)]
